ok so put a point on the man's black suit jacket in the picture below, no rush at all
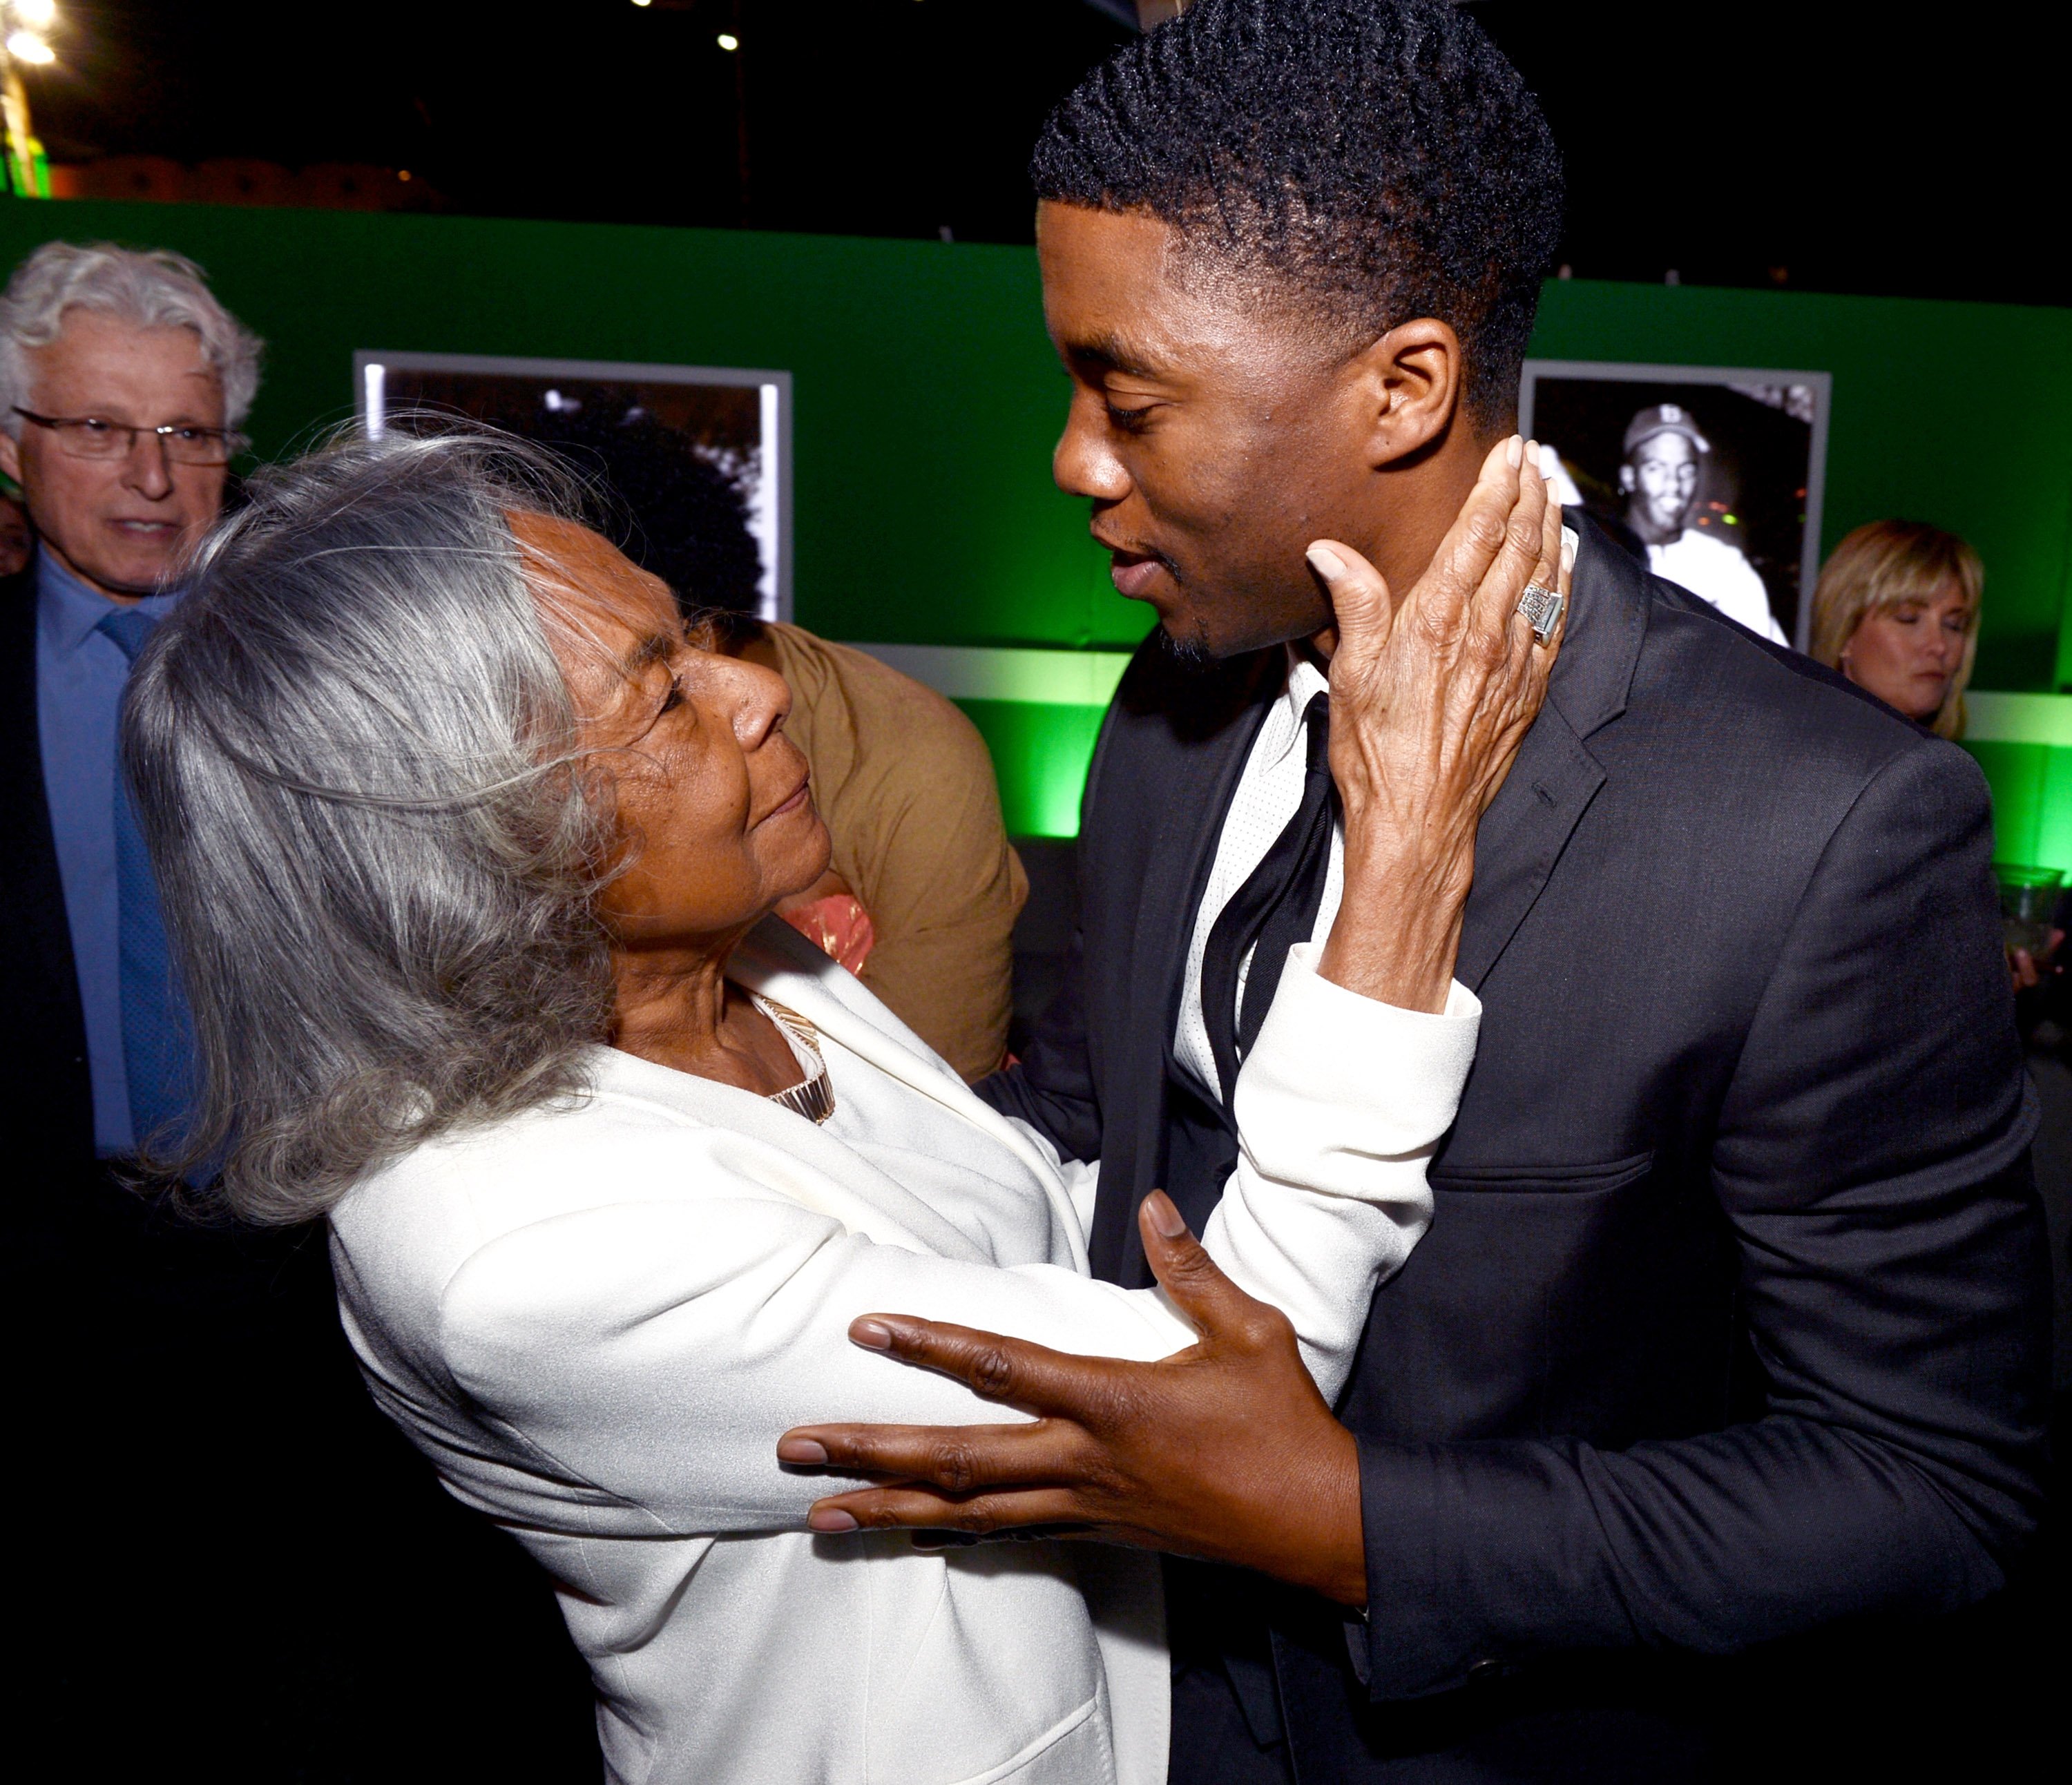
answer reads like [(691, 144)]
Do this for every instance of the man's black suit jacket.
[(71, 1230), (44, 1087), (1733, 1316)]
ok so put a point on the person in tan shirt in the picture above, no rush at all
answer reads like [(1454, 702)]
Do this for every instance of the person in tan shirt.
[(907, 788), (921, 897)]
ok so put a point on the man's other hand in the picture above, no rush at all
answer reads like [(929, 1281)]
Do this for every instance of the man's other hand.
[(1224, 1451)]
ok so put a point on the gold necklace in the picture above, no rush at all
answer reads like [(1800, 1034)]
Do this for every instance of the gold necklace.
[(814, 1099)]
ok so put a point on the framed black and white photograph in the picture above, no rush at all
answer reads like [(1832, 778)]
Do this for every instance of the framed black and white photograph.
[(738, 419), (1711, 474)]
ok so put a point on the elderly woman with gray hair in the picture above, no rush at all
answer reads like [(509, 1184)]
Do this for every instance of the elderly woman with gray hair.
[(467, 850)]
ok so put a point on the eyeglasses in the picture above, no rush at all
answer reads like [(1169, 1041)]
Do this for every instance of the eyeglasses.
[(89, 437)]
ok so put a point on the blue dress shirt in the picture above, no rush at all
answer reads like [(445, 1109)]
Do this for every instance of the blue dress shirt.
[(81, 674)]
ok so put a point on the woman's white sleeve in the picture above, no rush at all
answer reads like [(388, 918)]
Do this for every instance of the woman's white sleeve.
[(1339, 1105), (646, 1353)]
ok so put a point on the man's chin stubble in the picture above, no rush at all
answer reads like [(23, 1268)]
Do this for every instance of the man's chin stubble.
[(1192, 651)]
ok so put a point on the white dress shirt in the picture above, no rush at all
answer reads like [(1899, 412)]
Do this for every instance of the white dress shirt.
[(1715, 571)]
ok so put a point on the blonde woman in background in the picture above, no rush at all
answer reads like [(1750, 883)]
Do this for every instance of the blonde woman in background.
[(1896, 611)]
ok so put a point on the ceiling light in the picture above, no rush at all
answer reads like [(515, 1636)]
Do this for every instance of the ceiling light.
[(39, 16), (26, 46), (729, 42)]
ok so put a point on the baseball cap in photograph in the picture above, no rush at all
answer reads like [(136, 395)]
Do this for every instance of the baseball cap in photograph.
[(1664, 418)]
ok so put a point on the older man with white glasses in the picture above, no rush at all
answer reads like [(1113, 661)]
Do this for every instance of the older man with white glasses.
[(160, 1409), (121, 380)]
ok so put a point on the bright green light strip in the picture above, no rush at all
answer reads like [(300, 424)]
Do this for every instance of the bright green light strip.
[(1039, 710), (1088, 678), (1992, 718), (973, 672)]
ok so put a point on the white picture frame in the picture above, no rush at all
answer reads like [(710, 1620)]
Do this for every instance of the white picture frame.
[(1766, 434), (385, 381)]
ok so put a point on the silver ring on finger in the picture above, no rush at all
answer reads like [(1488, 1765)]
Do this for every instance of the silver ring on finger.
[(1542, 609)]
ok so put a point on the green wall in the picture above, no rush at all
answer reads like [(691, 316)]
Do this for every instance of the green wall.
[(925, 397), (926, 401)]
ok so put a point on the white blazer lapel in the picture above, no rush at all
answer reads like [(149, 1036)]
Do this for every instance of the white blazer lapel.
[(791, 1155), (783, 965)]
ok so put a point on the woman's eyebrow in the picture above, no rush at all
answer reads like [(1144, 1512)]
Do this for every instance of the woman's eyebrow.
[(656, 649)]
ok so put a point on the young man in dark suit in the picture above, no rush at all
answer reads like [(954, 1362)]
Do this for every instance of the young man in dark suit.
[(1732, 1320)]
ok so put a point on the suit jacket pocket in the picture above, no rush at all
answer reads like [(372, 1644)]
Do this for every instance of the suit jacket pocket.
[(1547, 1180), (1550, 1300)]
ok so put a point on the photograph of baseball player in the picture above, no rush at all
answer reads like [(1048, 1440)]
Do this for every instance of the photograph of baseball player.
[(1709, 475)]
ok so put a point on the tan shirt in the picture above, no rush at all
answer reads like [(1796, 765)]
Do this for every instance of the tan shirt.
[(907, 788)]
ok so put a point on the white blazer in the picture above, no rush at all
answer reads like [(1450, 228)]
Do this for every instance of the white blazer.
[(597, 1318)]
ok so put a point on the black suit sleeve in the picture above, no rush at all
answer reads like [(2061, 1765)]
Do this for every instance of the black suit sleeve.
[(1052, 1090), (1871, 1159)]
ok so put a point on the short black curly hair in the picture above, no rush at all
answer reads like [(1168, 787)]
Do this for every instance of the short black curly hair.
[(1377, 159)]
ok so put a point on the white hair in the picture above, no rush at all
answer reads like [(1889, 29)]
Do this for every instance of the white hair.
[(354, 751), (150, 289)]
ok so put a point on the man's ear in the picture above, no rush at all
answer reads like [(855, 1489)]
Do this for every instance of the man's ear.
[(1412, 381)]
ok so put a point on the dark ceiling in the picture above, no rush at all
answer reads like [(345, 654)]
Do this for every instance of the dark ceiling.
[(1854, 148)]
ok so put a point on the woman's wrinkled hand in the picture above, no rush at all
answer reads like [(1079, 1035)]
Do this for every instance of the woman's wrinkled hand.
[(1225, 1450), (1431, 697)]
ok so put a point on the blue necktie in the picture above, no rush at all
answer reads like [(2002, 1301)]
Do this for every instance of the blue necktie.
[(158, 1041)]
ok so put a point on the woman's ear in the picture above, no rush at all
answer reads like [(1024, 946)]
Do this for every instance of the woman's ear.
[(1410, 382)]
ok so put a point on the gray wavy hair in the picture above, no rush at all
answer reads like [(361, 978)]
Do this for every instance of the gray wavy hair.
[(153, 287), (353, 753)]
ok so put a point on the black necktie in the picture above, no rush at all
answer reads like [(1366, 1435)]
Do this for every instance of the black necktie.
[(1274, 910)]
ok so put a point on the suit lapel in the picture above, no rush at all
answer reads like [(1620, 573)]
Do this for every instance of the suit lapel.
[(29, 885), (776, 961), (1177, 873), (1555, 776), (1194, 796), (1522, 836)]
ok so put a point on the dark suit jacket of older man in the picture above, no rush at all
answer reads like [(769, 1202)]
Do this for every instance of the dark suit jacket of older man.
[(169, 1374), (82, 1248), (1732, 1317), (190, 1438), (48, 1095)]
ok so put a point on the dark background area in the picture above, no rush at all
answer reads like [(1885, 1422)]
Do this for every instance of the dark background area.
[(1857, 149)]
